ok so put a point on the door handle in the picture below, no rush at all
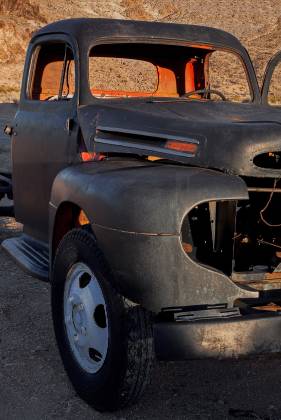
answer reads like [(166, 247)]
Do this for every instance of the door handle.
[(9, 130)]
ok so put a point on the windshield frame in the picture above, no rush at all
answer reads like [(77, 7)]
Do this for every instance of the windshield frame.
[(242, 55)]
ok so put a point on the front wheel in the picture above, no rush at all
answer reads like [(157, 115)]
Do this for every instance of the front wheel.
[(105, 343)]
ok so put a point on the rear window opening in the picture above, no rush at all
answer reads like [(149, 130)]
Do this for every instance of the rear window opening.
[(124, 76), (157, 70)]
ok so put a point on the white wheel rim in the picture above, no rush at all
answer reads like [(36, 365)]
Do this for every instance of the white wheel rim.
[(85, 318)]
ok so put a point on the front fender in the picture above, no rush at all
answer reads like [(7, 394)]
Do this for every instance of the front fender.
[(136, 211), (141, 197)]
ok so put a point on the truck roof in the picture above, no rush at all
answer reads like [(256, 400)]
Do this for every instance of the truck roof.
[(91, 29)]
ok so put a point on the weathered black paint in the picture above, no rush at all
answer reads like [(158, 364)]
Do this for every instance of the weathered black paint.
[(7, 113), (84, 33), (229, 135), (136, 208)]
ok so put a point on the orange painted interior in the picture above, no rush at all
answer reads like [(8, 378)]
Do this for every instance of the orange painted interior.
[(167, 85), (101, 92), (190, 76), (88, 156), (181, 146), (47, 76)]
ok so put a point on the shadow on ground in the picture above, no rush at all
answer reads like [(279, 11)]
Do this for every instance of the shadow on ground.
[(34, 386)]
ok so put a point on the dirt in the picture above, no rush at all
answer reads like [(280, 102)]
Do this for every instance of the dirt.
[(34, 385), (256, 23)]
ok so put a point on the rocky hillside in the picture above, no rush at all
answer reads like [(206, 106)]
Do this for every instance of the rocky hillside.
[(258, 26)]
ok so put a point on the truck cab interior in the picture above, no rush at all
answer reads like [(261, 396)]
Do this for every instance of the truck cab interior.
[(161, 70), (130, 70)]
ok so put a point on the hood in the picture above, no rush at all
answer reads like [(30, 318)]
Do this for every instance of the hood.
[(227, 136)]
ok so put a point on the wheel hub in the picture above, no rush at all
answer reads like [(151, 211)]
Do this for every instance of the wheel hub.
[(88, 338), (79, 317)]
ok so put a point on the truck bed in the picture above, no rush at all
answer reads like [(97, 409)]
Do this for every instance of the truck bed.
[(7, 113)]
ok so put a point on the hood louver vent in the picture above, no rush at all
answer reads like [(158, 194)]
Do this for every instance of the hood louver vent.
[(143, 142)]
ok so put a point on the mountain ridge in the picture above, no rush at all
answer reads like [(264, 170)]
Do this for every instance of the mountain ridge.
[(257, 26)]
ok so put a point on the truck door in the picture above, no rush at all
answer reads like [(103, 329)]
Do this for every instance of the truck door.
[(271, 87), (44, 131)]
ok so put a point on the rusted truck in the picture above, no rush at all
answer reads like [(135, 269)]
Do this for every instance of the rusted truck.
[(146, 173)]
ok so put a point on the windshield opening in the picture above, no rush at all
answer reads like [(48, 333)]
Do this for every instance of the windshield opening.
[(168, 71)]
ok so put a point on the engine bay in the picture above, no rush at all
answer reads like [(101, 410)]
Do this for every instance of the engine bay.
[(238, 236)]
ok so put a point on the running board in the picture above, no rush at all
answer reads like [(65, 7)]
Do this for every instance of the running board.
[(30, 254)]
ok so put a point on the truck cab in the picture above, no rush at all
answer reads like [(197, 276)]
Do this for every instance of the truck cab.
[(145, 173)]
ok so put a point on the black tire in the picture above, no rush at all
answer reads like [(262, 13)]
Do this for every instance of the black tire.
[(126, 368)]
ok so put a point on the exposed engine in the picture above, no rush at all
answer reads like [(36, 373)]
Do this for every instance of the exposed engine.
[(258, 228), (238, 236)]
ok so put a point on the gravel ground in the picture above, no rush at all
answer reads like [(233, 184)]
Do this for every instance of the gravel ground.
[(34, 385)]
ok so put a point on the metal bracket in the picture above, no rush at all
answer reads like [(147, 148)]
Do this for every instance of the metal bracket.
[(69, 125), (206, 314)]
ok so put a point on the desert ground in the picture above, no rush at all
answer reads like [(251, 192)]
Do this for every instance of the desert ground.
[(256, 23), (35, 387)]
